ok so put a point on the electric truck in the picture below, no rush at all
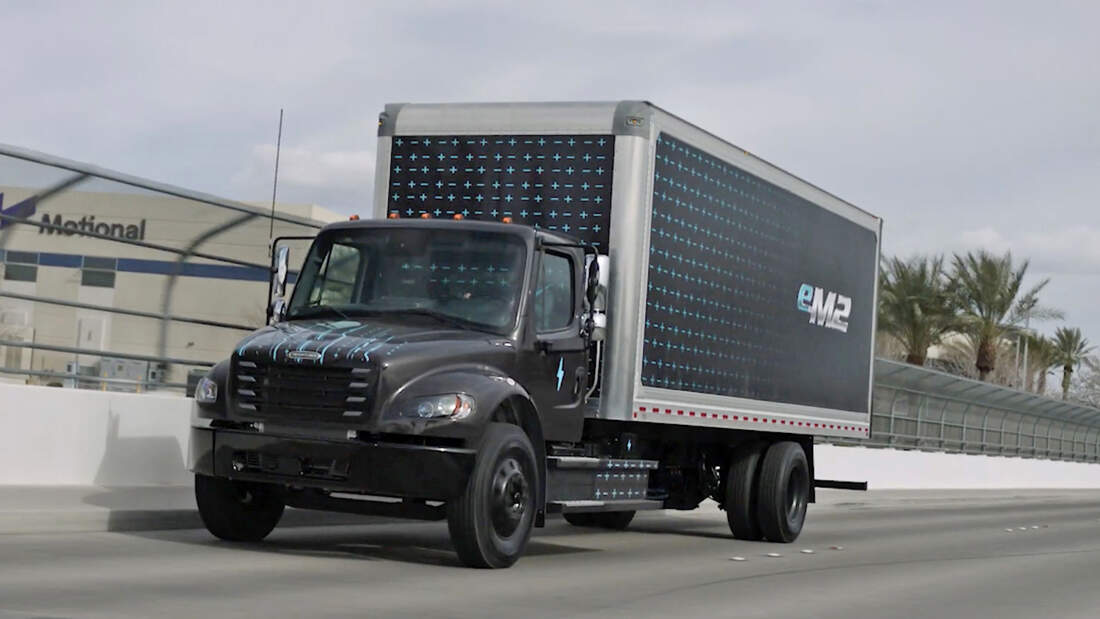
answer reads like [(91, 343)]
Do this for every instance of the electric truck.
[(585, 309)]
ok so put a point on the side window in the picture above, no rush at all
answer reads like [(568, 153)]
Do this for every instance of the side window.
[(337, 275), (554, 293)]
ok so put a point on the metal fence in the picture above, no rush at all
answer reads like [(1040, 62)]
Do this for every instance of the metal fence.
[(913, 408), (39, 181), (921, 409)]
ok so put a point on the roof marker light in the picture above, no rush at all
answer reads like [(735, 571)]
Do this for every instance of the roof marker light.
[(394, 215), (458, 216), (353, 218), (425, 215), (506, 220)]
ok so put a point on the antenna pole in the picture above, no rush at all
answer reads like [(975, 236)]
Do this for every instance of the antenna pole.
[(275, 184)]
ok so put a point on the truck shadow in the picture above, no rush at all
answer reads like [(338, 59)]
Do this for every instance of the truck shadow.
[(389, 540), (139, 460), (420, 549)]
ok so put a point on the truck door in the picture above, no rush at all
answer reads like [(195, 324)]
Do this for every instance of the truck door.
[(558, 368)]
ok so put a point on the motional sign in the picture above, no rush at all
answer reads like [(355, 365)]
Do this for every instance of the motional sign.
[(826, 309)]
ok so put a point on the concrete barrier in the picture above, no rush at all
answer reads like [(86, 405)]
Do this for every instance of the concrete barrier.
[(896, 469), (51, 436), (65, 437)]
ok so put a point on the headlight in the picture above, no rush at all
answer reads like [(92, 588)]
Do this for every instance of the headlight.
[(450, 405), (206, 392)]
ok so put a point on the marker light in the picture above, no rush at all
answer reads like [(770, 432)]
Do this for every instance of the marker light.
[(206, 392), (458, 215), (353, 218), (506, 220), (394, 215), (425, 215)]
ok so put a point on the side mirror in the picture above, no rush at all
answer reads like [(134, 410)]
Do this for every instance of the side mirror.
[(277, 312), (592, 286), (599, 274), (280, 270)]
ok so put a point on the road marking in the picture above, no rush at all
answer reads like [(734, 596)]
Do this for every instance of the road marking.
[(807, 551), (738, 559)]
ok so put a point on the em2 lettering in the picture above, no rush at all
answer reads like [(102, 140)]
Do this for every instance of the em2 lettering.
[(826, 309)]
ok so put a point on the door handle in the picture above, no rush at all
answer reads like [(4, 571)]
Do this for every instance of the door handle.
[(562, 345)]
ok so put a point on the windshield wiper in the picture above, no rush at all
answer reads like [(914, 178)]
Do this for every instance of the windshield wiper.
[(453, 321), (316, 309)]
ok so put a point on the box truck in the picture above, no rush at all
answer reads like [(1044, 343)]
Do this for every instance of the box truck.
[(585, 309)]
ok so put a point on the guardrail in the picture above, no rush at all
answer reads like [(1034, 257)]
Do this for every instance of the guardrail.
[(914, 408), (921, 409), (49, 178)]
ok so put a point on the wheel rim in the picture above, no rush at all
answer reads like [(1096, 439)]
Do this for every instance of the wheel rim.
[(510, 497), (797, 490)]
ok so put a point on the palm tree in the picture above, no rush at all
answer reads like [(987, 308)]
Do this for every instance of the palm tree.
[(988, 289), (1043, 357), (915, 304), (1071, 348), (958, 354)]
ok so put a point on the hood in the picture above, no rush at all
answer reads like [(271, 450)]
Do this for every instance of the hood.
[(342, 342)]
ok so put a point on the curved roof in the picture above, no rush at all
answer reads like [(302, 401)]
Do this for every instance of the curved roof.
[(939, 384)]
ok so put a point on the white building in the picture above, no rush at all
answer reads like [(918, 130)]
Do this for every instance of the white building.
[(68, 266)]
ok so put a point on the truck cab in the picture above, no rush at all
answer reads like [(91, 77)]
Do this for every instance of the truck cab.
[(405, 347)]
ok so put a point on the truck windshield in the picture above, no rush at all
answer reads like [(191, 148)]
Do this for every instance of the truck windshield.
[(459, 277)]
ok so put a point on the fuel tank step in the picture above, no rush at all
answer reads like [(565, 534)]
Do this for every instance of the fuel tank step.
[(582, 462), (602, 506), (597, 480)]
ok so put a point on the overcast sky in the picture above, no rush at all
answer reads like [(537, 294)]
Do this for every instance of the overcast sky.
[(964, 125)]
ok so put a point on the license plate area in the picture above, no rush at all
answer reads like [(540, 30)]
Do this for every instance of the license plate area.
[(253, 461)]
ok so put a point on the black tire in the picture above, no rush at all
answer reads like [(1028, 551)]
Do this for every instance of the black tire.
[(741, 491), (238, 511), (784, 492), (491, 521), (604, 520)]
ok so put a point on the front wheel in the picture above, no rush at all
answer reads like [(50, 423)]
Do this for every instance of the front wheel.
[(491, 521), (784, 492), (237, 511)]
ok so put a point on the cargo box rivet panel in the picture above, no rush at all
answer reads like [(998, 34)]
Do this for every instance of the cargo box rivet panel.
[(730, 256), (556, 182)]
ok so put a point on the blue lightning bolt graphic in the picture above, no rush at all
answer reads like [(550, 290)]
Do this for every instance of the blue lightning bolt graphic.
[(561, 371)]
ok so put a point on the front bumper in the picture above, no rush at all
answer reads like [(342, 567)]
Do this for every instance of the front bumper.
[(388, 469)]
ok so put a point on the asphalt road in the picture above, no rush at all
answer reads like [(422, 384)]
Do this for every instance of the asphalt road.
[(877, 554)]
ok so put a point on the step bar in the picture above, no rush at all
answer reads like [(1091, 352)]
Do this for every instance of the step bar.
[(574, 507)]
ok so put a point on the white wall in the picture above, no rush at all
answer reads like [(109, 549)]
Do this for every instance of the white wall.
[(52, 436), (891, 468)]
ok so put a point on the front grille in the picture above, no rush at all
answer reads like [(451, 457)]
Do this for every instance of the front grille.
[(275, 391)]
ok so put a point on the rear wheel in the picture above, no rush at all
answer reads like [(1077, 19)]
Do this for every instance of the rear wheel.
[(603, 520), (741, 491), (784, 492), (238, 511), (491, 521)]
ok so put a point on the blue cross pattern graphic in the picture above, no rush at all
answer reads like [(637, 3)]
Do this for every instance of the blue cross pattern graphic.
[(556, 182), (23, 209), (717, 241)]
